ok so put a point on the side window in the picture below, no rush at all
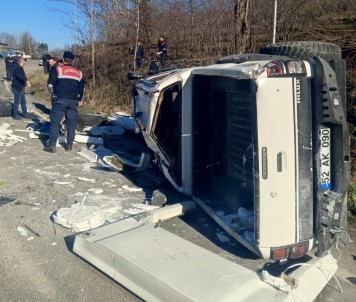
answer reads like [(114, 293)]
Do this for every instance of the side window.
[(167, 128)]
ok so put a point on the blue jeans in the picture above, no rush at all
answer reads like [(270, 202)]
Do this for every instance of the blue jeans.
[(19, 97), (60, 108), (163, 59)]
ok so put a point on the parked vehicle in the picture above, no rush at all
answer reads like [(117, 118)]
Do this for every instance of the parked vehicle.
[(22, 54), (260, 141)]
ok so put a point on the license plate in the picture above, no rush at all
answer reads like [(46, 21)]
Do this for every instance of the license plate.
[(325, 179)]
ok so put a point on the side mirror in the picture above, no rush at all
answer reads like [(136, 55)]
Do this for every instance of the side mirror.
[(134, 76)]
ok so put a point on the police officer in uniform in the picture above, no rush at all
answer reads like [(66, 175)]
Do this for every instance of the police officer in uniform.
[(67, 85)]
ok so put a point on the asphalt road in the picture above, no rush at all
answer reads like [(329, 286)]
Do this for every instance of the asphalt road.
[(43, 268)]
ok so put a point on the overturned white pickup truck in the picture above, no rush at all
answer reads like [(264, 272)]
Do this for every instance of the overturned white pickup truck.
[(264, 134), (260, 142)]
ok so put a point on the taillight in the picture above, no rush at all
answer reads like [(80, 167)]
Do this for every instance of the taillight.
[(285, 68), (292, 251), (279, 253), (275, 68), (298, 251), (296, 67)]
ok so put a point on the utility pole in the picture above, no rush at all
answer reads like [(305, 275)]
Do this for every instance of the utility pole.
[(137, 29), (92, 40), (274, 22)]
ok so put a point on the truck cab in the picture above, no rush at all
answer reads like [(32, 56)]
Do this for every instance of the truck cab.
[(259, 141)]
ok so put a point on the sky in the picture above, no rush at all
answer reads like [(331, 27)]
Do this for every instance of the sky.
[(35, 17)]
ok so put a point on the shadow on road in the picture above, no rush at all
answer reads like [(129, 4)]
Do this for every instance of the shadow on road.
[(42, 108)]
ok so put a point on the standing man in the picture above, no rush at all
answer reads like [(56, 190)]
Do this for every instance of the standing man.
[(67, 85), (162, 51), (19, 83), (45, 63), (140, 52), (10, 62), (52, 63)]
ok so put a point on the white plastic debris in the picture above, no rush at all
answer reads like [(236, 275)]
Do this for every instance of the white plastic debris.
[(62, 182), (80, 217), (276, 282), (245, 217), (250, 236), (96, 191), (222, 238), (22, 231), (123, 119), (92, 180), (88, 139), (129, 189)]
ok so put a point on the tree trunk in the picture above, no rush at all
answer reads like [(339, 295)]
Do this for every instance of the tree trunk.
[(242, 26)]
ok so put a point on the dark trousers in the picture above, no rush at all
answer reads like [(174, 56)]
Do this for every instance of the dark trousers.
[(139, 63), (9, 74), (60, 108), (163, 60), (19, 98)]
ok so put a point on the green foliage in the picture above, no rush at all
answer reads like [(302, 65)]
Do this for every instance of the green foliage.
[(351, 203), (42, 48)]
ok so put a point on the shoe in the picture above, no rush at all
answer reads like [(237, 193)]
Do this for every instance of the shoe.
[(68, 147), (49, 149), (17, 117)]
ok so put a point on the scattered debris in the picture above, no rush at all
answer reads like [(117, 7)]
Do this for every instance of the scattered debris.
[(8, 139), (158, 198), (123, 119), (6, 199), (129, 189), (85, 139), (88, 155), (31, 230), (92, 180), (222, 238), (96, 191), (276, 282), (80, 217), (112, 130), (62, 182), (22, 231)]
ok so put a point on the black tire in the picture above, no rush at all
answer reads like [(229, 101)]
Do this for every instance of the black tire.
[(241, 58), (5, 108), (304, 50), (90, 118)]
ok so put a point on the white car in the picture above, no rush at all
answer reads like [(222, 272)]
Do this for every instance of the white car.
[(259, 141)]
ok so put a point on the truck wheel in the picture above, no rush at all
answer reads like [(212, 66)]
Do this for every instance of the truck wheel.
[(5, 108), (304, 50), (90, 118)]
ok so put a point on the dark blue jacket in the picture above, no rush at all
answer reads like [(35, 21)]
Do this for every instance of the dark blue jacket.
[(19, 78), (10, 62), (67, 82), (162, 47), (140, 53)]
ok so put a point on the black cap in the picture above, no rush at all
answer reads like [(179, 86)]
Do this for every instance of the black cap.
[(68, 55)]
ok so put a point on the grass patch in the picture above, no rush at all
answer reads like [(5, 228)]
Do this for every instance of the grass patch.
[(2, 182), (351, 196)]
